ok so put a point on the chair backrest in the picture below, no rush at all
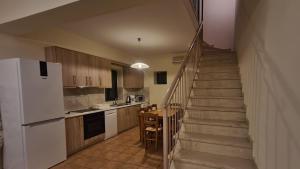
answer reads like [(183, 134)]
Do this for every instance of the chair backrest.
[(154, 106), (150, 120)]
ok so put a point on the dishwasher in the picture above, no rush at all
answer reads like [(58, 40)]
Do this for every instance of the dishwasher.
[(111, 123)]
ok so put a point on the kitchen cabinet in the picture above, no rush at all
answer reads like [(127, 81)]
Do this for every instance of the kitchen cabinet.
[(133, 78), (83, 65), (104, 69), (80, 69), (127, 118), (74, 134)]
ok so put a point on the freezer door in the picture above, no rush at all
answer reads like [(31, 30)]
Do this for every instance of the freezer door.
[(42, 91), (45, 144)]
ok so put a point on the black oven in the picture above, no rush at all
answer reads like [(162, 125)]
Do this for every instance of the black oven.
[(94, 124)]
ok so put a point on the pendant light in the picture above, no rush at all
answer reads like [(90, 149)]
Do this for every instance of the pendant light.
[(139, 65)]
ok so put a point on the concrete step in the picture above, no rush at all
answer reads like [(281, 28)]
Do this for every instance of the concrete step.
[(217, 92), (219, 62), (219, 76), (216, 127), (216, 115), (220, 84), (218, 57), (210, 108), (218, 69), (214, 144), (183, 165), (185, 159), (237, 102)]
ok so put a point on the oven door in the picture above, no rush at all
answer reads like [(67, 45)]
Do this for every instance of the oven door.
[(94, 124)]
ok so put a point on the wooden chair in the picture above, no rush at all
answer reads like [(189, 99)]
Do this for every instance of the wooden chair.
[(154, 106), (152, 129)]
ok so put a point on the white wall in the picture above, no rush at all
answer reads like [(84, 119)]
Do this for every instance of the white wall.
[(76, 42), (159, 63), (268, 51), (15, 9), (11, 46), (219, 22)]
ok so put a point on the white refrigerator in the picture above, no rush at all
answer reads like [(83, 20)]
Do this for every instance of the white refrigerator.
[(32, 110)]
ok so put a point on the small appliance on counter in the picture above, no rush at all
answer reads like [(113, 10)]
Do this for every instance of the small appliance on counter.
[(128, 99), (139, 98)]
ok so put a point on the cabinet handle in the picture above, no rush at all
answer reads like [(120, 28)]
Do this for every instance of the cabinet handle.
[(90, 80), (86, 81), (99, 81)]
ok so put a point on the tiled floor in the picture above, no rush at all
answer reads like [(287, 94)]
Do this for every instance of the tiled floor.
[(121, 152)]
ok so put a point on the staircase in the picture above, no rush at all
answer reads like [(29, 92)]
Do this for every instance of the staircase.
[(214, 130)]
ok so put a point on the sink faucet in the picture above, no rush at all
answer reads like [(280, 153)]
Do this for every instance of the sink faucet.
[(115, 102)]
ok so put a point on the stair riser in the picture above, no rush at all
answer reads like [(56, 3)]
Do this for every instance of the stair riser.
[(214, 57), (218, 92), (216, 115), (217, 69), (215, 130), (218, 84), (219, 63), (218, 149), (232, 103), (181, 165), (218, 76)]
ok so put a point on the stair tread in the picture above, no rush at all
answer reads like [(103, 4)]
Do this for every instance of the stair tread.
[(213, 122), (217, 79), (207, 108), (231, 72), (212, 160), (216, 97), (216, 139)]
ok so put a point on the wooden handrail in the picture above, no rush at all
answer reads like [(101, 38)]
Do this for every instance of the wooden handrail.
[(181, 70)]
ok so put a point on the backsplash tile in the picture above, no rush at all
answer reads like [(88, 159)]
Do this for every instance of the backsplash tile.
[(81, 98)]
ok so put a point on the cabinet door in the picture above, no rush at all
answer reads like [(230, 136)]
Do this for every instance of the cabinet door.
[(122, 122), (94, 72), (69, 66), (83, 69), (104, 68), (74, 134), (133, 78), (141, 79), (68, 59), (133, 113)]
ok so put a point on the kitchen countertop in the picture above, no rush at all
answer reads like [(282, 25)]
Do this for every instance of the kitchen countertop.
[(106, 108)]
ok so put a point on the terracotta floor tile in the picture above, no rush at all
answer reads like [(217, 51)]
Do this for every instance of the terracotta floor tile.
[(128, 166), (121, 152)]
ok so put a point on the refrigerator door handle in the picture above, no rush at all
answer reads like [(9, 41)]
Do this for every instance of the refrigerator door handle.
[(43, 122)]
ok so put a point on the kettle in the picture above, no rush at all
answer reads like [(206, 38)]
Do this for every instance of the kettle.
[(128, 99)]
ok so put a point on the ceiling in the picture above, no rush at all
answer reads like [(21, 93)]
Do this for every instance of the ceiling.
[(164, 27)]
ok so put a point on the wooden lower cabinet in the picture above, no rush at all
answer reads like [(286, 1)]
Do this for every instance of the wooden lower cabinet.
[(127, 118), (74, 134)]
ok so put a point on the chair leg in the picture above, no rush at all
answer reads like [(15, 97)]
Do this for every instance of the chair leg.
[(156, 140)]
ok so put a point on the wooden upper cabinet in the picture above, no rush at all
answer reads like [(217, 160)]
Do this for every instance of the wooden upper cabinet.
[(133, 78), (80, 69), (83, 69), (104, 68), (94, 73)]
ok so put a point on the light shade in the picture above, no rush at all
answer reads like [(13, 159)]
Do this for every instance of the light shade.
[(139, 65)]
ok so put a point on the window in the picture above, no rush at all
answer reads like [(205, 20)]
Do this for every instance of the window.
[(160, 77), (112, 93)]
